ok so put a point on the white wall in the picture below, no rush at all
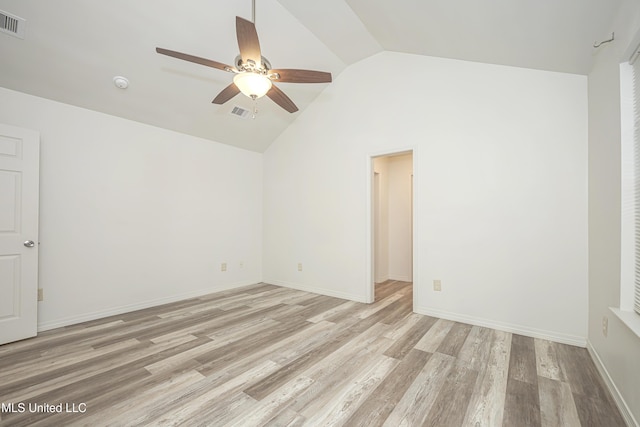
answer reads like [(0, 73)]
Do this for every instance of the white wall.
[(500, 190), (132, 215), (618, 353), (400, 228)]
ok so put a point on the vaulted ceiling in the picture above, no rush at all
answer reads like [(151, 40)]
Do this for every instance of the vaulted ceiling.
[(73, 48)]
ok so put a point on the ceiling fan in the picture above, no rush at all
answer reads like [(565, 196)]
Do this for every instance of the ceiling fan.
[(254, 76)]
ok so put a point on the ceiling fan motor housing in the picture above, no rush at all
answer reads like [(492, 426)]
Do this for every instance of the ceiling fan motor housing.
[(251, 66)]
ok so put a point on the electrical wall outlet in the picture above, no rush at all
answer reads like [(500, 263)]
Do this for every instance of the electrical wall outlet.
[(223, 266), (299, 266), (437, 285), (40, 294), (605, 326)]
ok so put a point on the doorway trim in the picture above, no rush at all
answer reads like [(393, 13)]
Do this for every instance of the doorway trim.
[(370, 223)]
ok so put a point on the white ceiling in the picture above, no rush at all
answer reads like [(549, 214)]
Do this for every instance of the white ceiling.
[(73, 49)]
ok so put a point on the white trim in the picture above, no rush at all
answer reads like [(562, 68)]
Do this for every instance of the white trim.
[(384, 279), (369, 274), (53, 324), (627, 211), (399, 278), (617, 396), (629, 318), (318, 291), (506, 327)]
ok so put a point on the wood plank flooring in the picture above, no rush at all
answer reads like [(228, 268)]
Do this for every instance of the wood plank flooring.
[(265, 355)]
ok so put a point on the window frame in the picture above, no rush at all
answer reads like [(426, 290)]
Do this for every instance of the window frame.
[(630, 203)]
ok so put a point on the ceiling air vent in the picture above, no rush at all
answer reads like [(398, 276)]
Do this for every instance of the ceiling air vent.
[(240, 112), (12, 25)]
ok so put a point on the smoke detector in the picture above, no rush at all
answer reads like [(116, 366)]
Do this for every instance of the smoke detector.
[(121, 82)]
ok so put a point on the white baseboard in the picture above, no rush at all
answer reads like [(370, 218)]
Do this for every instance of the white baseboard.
[(400, 278), (620, 402), (506, 327), (320, 291), (394, 278), (501, 326), (85, 317)]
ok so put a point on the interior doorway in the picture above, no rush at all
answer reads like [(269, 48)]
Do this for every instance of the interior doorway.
[(392, 221)]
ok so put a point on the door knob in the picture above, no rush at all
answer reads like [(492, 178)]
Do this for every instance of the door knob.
[(29, 243)]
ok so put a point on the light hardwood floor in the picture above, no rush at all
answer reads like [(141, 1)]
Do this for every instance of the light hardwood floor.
[(265, 355)]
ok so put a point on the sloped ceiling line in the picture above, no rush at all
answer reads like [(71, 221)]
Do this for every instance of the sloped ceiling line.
[(75, 63)]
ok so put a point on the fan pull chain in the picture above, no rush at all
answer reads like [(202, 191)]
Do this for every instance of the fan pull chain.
[(255, 108)]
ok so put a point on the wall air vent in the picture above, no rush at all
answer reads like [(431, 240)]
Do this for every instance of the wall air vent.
[(12, 25), (240, 112)]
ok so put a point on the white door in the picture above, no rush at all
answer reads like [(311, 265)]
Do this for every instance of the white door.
[(19, 175)]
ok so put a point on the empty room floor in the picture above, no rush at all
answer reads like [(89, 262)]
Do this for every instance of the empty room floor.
[(266, 355)]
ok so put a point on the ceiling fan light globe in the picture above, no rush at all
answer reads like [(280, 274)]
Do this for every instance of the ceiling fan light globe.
[(252, 84)]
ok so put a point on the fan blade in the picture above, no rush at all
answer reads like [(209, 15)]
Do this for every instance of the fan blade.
[(226, 94), (301, 76), (248, 41), (281, 99), (196, 59)]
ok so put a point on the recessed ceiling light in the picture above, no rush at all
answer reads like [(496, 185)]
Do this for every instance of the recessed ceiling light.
[(121, 82)]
